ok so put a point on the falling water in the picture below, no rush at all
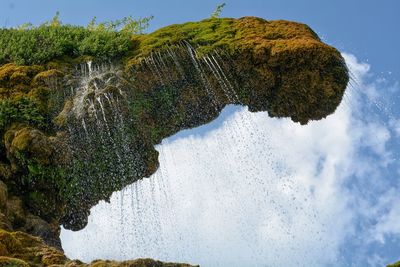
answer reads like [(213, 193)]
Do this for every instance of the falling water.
[(101, 145), (100, 136), (236, 195)]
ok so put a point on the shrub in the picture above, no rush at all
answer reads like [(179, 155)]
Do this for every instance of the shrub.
[(218, 10), (27, 45), (22, 109)]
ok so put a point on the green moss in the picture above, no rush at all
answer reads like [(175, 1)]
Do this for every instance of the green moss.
[(43, 77), (397, 264), (26, 250), (9, 241), (19, 109), (226, 34), (12, 262)]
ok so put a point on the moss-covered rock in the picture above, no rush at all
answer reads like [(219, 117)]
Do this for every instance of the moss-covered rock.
[(12, 262), (175, 78), (29, 249), (279, 66), (20, 249)]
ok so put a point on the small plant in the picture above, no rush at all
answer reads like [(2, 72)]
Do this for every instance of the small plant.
[(126, 25), (55, 22), (217, 12), (21, 110)]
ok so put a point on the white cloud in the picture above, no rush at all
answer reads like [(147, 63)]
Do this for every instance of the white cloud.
[(255, 191), (388, 219)]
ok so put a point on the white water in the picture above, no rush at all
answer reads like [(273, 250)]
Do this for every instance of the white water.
[(231, 198), (254, 191)]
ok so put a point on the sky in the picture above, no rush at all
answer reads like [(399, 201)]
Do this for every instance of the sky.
[(255, 191)]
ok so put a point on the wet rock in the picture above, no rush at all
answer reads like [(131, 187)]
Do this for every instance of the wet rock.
[(15, 212), (5, 224), (20, 249), (29, 249), (3, 196), (29, 143)]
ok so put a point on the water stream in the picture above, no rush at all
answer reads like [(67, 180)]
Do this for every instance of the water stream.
[(245, 190)]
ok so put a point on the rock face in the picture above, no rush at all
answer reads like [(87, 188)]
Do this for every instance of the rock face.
[(276, 66), (19, 249), (74, 131)]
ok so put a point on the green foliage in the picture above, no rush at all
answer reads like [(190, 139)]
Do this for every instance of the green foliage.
[(155, 122), (126, 25), (206, 36), (55, 22), (22, 109), (45, 187), (28, 45), (217, 12), (48, 176)]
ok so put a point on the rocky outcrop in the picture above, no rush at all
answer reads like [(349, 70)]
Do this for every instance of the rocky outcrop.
[(55, 164), (15, 216), (22, 250)]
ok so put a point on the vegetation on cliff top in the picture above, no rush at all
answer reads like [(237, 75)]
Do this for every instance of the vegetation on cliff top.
[(228, 34), (28, 44)]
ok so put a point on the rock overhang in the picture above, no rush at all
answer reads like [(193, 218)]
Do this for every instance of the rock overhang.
[(178, 77)]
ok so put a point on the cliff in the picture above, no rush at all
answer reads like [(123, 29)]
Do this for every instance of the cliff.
[(76, 128), (18, 249)]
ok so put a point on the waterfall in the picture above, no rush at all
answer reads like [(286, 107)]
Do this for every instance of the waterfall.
[(103, 152), (111, 144)]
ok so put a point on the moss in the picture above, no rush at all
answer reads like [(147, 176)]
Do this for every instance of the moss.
[(276, 66), (397, 264), (43, 78), (62, 119), (12, 262), (20, 109), (12, 74), (30, 143), (229, 35), (20, 249), (283, 62), (137, 263), (9, 242), (3, 250), (26, 250)]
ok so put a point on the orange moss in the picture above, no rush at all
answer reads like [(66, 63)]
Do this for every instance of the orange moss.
[(12, 262), (22, 250), (29, 142), (43, 78), (231, 35), (12, 74)]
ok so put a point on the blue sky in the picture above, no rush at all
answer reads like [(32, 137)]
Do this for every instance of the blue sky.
[(350, 160)]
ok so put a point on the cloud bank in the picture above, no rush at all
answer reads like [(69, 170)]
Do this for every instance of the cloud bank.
[(258, 191)]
